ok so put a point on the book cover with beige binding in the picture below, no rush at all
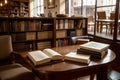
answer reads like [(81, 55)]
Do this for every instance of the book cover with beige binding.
[(73, 56)]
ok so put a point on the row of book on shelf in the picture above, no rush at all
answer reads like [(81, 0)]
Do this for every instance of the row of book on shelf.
[(29, 46), (83, 54), (62, 42), (23, 47), (38, 25), (68, 24), (29, 26), (32, 35), (44, 35), (3, 26), (41, 45)]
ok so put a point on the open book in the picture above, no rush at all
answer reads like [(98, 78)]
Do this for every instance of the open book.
[(95, 46), (73, 56), (40, 57)]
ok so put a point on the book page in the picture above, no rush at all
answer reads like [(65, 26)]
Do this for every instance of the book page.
[(95, 46), (38, 57), (53, 54), (73, 56)]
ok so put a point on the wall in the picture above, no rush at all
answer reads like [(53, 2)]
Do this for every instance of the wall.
[(62, 6), (31, 8), (59, 8)]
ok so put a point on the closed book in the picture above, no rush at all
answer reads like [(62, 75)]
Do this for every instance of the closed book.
[(93, 54), (95, 46), (82, 58), (20, 36), (79, 24)]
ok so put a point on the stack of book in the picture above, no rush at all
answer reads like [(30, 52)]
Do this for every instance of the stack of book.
[(94, 49)]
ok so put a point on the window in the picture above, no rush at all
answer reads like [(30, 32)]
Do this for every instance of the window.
[(105, 29), (37, 8), (81, 7), (87, 8)]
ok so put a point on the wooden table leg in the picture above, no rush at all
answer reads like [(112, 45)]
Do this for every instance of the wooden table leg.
[(102, 73), (111, 28), (97, 27), (101, 27), (92, 76)]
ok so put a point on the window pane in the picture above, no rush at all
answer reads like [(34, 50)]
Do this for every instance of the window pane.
[(105, 24), (38, 7)]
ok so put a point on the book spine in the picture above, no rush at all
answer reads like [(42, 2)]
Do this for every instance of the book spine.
[(88, 52)]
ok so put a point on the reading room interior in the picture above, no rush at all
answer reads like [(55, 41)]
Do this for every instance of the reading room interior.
[(59, 39)]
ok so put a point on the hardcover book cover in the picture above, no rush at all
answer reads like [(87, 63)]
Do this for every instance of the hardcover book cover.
[(95, 46)]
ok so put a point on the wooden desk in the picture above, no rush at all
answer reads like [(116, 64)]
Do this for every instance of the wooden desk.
[(68, 70)]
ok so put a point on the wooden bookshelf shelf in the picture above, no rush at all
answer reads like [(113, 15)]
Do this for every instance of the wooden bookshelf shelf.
[(15, 8), (40, 33)]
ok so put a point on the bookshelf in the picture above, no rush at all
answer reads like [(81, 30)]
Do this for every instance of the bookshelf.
[(15, 8), (31, 33), (4, 23), (68, 27)]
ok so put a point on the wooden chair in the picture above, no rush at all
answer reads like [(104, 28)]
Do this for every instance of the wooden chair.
[(90, 23), (112, 17), (9, 68), (102, 15)]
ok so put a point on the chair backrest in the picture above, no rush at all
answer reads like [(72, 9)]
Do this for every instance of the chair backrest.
[(5, 46), (90, 19), (101, 15), (74, 39), (112, 16)]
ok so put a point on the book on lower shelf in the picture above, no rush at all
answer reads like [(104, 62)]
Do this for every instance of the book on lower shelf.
[(40, 57), (82, 58)]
